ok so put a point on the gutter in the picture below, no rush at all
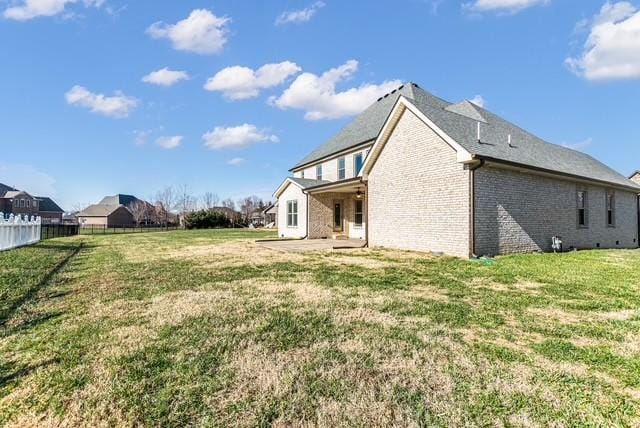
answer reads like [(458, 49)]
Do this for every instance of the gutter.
[(558, 173)]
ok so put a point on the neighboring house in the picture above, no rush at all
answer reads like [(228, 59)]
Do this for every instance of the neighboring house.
[(271, 214), (105, 215), (635, 177), (416, 172), (14, 201)]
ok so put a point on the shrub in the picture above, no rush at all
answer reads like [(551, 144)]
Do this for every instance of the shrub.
[(205, 219)]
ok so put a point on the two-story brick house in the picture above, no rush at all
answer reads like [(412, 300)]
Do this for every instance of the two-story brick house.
[(14, 201), (416, 172)]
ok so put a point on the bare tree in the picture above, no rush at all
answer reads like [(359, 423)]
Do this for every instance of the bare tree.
[(185, 202), (140, 211), (248, 206), (228, 203), (165, 201), (210, 200)]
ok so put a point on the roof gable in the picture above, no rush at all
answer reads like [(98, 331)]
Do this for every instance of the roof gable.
[(48, 205), (100, 210)]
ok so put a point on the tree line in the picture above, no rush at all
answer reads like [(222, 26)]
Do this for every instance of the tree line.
[(170, 204)]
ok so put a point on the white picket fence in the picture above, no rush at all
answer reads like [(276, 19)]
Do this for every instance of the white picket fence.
[(16, 231)]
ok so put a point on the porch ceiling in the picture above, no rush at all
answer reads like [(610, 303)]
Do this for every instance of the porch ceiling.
[(350, 186)]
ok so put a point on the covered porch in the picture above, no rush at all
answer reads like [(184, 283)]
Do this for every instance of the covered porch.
[(338, 210)]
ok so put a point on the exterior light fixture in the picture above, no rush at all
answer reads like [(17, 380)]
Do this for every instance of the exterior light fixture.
[(358, 194)]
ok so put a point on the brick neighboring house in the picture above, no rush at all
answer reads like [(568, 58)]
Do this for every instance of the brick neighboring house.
[(14, 201), (105, 215), (416, 172)]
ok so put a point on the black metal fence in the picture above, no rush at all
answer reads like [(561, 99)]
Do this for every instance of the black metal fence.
[(100, 229), (49, 231)]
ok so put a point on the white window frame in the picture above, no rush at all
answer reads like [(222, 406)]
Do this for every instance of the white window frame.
[(584, 207), (356, 170), (610, 195), (356, 212), (342, 160), (292, 214), (319, 172)]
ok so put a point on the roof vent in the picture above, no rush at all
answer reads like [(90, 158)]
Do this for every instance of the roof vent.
[(509, 141), (416, 85), (479, 139), (386, 95)]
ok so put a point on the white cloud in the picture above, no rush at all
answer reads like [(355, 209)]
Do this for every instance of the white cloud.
[(299, 16), (479, 101), (118, 106), (239, 83), (29, 9), (169, 142), (165, 77), (236, 136), (317, 95), (202, 32), (612, 49), (580, 145), (236, 161), (27, 178), (503, 6)]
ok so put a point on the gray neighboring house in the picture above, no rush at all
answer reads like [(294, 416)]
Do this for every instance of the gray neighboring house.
[(416, 172)]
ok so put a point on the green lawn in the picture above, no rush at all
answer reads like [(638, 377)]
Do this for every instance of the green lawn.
[(206, 328)]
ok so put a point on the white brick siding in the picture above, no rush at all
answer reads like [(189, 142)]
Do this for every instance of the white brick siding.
[(292, 193), (520, 212), (419, 193)]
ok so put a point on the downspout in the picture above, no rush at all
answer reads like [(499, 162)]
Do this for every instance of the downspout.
[(472, 208), (307, 235), (638, 218), (366, 220)]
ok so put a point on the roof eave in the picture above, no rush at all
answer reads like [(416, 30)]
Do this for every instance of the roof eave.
[(629, 187)]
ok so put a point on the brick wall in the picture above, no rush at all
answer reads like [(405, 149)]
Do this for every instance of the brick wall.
[(321, 215), (520, 212), (419, 193)]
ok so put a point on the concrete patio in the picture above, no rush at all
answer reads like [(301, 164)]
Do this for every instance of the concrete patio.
[(304, 245)]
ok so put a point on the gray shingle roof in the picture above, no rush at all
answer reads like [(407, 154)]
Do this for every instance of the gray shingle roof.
[(47, 204), (4, 189), (308, 182), (460, 122), (98, 210), (118, 199)]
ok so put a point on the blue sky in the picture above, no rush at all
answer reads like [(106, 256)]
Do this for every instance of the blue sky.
[(83, 115)]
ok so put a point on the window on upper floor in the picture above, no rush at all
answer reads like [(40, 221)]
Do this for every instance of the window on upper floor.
[(319, 172), (302, 174), (582, 211), (357, 163), (342, 169), (28, 203), (611, 208), (292, 213), (35, 204), (21, 203)]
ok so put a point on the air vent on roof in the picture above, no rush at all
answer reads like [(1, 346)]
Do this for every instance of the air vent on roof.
[(509, 140)]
